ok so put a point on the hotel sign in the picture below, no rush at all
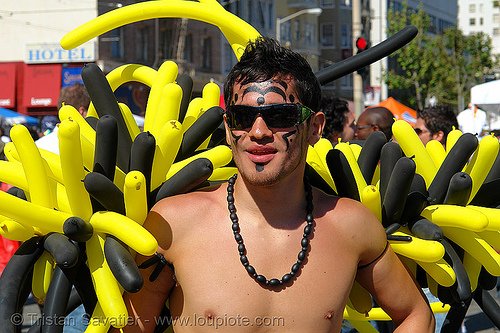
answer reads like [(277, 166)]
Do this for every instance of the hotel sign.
[(38, 53)]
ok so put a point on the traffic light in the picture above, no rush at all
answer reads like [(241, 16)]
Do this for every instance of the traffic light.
[(362, 44)]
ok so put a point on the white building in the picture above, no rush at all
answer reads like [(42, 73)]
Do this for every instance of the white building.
[(480, 16)]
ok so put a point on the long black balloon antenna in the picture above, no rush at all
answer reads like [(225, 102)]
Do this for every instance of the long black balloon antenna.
[(360, 60)]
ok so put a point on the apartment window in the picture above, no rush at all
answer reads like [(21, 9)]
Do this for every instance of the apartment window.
[(187, 54), (345, 3), (480, 7), (345, 36), (472, 21), (327, 3), (496, 31), (309, 35), (481, 21), (472, 8), (285, 32), (141, 44), (496, 18), (346, 81), (327, 36), (296, 30), (206, 49), (117, 49)]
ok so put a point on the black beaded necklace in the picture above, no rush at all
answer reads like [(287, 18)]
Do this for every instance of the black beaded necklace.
[(308, 229)]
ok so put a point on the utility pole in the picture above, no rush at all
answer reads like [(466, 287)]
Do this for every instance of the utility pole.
[(357, 80)]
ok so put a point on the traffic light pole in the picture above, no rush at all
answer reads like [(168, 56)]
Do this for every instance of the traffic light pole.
[(357, 80)]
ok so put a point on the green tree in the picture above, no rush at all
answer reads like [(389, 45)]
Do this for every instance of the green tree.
[(444, 65), (416, 60)]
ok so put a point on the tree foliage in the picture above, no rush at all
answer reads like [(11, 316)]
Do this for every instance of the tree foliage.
[(444, 65)]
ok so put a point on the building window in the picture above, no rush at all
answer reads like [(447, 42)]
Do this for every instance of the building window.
[(296, 30), (285, 32), (141, 44), (117, 49), (472, 8), (480, 7), (496, 31), (346, 81), (229, 58), (327, 3), (187, 53), (481, 21), (327, 34), (472, 21), (206, 49), (345, 3), (345, 36), (496, 18), (309, 36)]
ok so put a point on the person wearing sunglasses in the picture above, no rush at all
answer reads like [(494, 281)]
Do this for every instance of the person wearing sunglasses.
[(267, 250), (373, 119), (434, 123)]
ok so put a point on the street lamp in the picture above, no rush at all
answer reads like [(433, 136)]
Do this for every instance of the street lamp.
[(313, 11)]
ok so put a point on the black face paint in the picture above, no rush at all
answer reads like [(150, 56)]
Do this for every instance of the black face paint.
[(261, 100), (235, 137), (263, 92), (292, 98), (285, 137), (259, 167)]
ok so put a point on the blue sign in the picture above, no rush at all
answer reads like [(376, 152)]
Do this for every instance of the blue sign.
[(71, 75)]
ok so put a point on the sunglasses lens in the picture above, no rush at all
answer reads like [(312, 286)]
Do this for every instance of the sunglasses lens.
[(275, 115), (418, 131)]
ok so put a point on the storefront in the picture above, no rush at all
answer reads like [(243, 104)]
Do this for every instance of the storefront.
[(32, 87)]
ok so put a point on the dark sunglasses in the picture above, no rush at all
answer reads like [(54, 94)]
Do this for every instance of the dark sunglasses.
[(275, 115)]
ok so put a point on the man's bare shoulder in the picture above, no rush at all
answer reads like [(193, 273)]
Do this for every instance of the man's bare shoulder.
[(351, 219)]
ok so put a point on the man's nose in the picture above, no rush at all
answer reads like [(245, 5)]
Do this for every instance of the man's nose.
[(260, 129)]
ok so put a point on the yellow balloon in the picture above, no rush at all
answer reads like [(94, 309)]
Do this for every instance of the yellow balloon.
[(237, 31), (412, 146), (436, 152), (370, 197), (135, 196), (452, 138), (106, 287), (42, 273), (476, 247), (168, 107), (193, 112), (455, 216), (16, 231), (473, 269), (418, 249), (34, 168), (130, 122), (167, 73), (126, 230), (481, 162), (316, 162), (167, 147), (440, 271), (73, 170)]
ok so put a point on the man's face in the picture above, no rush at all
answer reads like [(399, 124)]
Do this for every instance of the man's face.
[(422, 131), (365, 127), (266, 155), (350, 128)]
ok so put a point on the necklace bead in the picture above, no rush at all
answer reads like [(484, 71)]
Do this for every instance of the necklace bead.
[(308, 229)]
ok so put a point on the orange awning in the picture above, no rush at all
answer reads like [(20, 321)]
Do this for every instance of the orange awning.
[(400, 111)]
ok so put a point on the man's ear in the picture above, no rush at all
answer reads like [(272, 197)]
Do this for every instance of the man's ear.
[(439, 136), (316, 125), (228, 138)]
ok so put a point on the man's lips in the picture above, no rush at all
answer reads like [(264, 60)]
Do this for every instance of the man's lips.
[(261, 155)]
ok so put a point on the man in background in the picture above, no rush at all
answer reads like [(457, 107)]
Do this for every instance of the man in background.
[(434, 123), (75, 95), (375, 119), (340, 121)]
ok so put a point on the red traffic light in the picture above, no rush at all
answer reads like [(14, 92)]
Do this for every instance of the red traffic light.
[(361, 44)]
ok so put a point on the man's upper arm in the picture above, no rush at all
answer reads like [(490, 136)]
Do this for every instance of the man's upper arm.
[(395, 290)]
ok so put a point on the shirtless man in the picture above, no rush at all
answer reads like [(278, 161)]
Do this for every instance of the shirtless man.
[(276, 262)]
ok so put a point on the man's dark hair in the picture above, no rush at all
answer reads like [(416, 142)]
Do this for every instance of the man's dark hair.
[(438, 118), (75, 95), (335, 110), (264, 59)]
